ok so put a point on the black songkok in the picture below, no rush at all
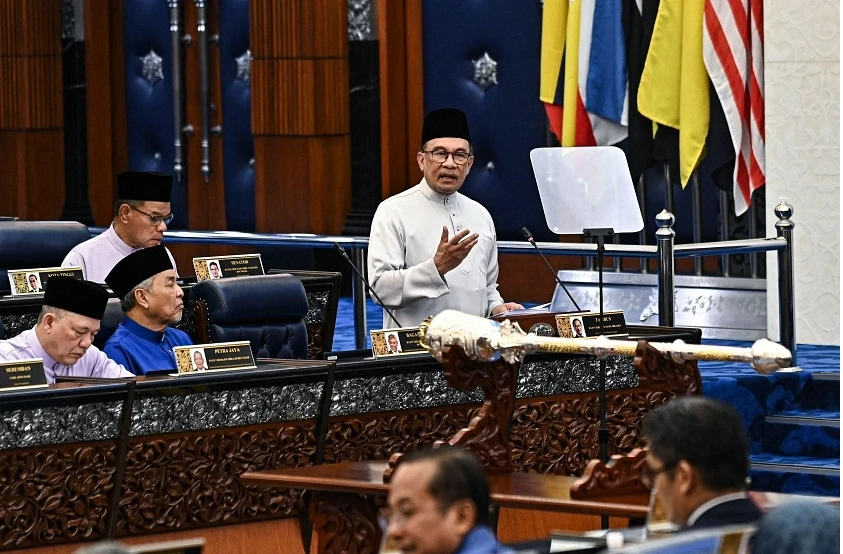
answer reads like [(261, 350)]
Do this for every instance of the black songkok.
[(445, 123), (77, 296), (144, 186), (137, 267)]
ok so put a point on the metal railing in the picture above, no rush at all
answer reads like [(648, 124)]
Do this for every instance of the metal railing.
[(665, 251)]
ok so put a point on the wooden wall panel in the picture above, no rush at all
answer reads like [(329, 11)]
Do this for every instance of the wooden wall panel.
[(106, 104), (300, 115), (31, 115), (300, 97), (401, 92), (31, 184), (310, 31), (29, 97), (305, 183), (36, 30)]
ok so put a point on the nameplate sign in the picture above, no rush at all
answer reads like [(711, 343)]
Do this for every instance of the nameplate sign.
[(221, 356), (396, 342), (22, 374), (221, 267), (24, 282), (591, 325)]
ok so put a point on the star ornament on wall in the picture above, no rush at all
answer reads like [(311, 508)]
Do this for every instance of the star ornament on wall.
[(152, 68), (244, 66), (485, 71)]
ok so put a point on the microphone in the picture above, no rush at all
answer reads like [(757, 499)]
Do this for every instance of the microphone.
[(529, 236), (342, 252)]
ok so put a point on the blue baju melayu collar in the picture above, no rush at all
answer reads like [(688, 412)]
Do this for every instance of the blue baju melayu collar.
[(140, 349), (139, 330)]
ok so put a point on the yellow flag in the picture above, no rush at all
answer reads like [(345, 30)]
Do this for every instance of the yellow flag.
[(554, 20), (674, 84), (572, 65)]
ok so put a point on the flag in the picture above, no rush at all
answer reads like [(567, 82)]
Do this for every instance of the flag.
[(606, 86), (566, 69), (734, 58), (554, 24), (602, 72), (674, 83), (639, 18)]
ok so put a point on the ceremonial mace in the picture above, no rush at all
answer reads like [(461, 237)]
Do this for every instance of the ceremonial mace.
[(487, 340)]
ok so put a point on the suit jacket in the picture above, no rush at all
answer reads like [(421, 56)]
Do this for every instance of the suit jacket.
[(734, 512)]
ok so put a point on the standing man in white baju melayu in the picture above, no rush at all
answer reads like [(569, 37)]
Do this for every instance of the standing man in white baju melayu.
[(432, 248)]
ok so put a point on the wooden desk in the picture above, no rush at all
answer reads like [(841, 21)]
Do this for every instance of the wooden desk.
[(345, 499)]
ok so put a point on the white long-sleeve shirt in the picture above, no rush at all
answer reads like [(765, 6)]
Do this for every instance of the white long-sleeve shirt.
[(406, 230), (93, 364)]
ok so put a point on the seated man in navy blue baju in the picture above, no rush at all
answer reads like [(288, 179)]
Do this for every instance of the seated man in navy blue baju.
[(145, 282)]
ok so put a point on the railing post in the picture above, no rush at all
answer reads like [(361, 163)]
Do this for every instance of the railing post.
[(358, 291), (787, 312), (664, 247)]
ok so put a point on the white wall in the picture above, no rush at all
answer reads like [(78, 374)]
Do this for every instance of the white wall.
[(802, 94)]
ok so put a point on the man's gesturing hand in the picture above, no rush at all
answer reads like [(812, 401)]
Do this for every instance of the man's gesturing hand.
[(451, 253)]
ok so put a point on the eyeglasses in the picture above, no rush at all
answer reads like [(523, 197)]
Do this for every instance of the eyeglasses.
[(648, 477), (441, 156), (156, 219)]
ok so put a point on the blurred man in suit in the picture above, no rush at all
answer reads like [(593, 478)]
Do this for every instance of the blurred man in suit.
[(698, 462), (439, 504)]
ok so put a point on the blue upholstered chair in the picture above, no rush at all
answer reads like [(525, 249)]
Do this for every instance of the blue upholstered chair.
[(266, 310), (31, 244), (111, 319)]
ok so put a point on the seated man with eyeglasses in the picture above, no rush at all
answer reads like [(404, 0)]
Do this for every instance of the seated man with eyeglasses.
[(698, 462), (438, 503), (432, 248), (141, 215)]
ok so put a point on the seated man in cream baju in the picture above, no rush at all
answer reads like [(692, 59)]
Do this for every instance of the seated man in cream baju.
[(64, 333), (141, 215)]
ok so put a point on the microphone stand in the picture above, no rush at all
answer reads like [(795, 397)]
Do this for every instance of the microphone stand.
[(529, 236), (603, 432), (342, 252)]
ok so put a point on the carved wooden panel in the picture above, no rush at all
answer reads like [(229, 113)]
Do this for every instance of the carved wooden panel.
[(54, 495), (487, 434), (655, 371), (315, 341), (189, 481), (621, 475), (378, 436), (345, 523), (550, 435)]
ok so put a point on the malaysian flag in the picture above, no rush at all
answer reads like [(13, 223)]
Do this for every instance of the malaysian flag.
[(733, 51)]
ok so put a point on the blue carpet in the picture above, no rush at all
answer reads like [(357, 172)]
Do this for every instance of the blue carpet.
[(755, 396)]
